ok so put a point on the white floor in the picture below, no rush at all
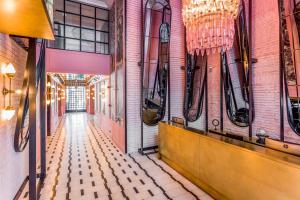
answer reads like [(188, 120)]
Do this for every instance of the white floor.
[(83, 163)]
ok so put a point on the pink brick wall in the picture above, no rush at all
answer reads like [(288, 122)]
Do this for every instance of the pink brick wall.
[(55, 107), (133, 73), (265, 81), (13, 166)]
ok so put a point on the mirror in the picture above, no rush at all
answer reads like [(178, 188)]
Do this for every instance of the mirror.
[(195, 81), (235, 73), (155, 62), (290, 58)]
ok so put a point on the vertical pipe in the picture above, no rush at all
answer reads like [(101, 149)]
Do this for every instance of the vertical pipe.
[(169, 92), (32, 118), (142, 76), (64, 38), (125, 77), (221, 93), (169, 77), (185, 76), (43, 96), (80, 25), (95, 37), (281, 76), (250, 71), (206, 97)]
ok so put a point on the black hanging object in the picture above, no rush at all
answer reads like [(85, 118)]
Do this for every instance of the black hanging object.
[(236, 75), (22, 128), (289, 12), (155, 64), (195, 80)]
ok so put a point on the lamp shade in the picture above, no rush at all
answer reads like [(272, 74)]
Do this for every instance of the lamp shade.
[(8, 113)]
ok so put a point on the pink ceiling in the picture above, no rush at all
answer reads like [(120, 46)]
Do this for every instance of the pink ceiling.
[(62, 61)]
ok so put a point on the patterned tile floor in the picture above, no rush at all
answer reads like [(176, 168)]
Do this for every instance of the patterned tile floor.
[(84, 164)]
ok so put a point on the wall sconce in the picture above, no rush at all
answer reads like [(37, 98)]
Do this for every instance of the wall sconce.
[(48, 84), (49, 93), (8, 71)]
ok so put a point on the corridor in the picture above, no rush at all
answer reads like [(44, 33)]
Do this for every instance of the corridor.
[(83, 163)]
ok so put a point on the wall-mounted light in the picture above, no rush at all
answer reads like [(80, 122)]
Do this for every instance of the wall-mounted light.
[(8, 71)]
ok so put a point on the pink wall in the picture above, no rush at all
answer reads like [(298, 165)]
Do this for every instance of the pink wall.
[(64, 61), (133, 43), (56, 107), (265, 71), (90, 102)]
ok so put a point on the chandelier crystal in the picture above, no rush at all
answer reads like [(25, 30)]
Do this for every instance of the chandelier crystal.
[(209, 25)]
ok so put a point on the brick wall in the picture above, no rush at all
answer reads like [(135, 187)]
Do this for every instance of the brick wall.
[(265, 75), (13, 166), (56, 106), (133, 46)]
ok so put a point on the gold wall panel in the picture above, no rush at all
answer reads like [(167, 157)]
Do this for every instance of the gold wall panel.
[(230, 169)]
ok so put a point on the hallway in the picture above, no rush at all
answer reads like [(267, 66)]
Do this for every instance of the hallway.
[(83, 163)]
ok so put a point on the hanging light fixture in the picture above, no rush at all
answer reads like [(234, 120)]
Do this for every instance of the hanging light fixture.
[(209, 25)]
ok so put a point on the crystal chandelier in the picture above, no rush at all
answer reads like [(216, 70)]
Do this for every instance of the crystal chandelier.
[(209, 25)]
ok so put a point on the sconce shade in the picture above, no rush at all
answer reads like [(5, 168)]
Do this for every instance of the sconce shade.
[(8, 70), (8, 113)]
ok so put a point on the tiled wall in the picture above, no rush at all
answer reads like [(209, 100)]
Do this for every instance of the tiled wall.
[(13, 166)]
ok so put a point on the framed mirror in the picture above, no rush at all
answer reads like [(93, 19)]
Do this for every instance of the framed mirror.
[(235, 73), (155, 60), (289, 12), (195, 81)]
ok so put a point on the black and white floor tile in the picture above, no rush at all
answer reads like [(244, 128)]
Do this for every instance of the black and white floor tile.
[(84, 164)]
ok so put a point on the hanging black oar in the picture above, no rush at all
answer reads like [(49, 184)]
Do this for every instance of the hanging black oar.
[(155, 62), (235, 74), (22, 129), (289, 12), (195, 76)]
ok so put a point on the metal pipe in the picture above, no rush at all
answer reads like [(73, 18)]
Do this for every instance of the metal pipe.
[(43, 96), (250, 71), (281, 74), (141, 78), (221, 95), (125, 77), (32, 119), (206, 98)]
